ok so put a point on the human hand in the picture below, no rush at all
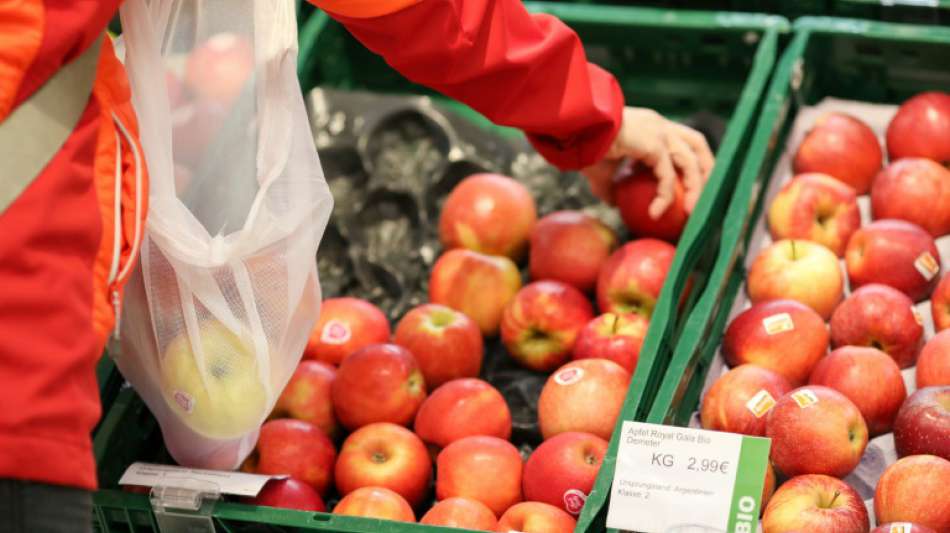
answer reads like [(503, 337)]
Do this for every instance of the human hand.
[(667, 147)]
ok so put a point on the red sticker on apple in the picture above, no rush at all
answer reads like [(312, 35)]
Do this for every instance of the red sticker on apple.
[(779, 323), (927, 266), (335, 332), (569, 376), (574, 501), (184, 400), (761, 403), (901, 527), (805, 398)]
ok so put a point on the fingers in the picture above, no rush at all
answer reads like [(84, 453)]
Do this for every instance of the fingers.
[(666, 185), (699, 146), (685, 160)]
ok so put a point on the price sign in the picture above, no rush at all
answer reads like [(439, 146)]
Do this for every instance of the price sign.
[(679, 479)]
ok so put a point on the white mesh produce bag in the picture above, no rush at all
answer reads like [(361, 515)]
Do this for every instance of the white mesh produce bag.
[(217, 315)]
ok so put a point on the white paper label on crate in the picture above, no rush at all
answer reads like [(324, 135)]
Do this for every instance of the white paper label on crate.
[(805, 398), (761, 403), (236, 483), (716, 477), (927, 266), (335, 332), (779, 323)]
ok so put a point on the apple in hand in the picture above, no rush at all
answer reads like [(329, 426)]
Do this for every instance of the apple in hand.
[(384, 455), (464, 513), (296, 448), (843, 147), (462, 408), (379, 383), (307, 397), (816, 430), (345, 325), (482, 468), (895, 253), (933, 365), (562, 470), (901, 527), (761, 335), (631, 279), (584, 395), (914, 489), (921, 128), (803, 271), (478, 285), (940, 304), (815, 504), (535, 517), (869, 378), (539, 327), (488, 213), (815, 207), (881, 317), (613, 336), (446, 343), (289, 493), (375, 502), (218, 68), (570, 247), (923, 423), (633, 194), (916, 190), (740, 400)]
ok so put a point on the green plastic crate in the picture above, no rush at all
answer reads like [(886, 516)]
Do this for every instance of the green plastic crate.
[(918, 11), (786, 8), (679, 63), (844, 58)]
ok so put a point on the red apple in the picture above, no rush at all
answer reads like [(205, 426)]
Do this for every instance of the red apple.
[(488, 213), (843, 147), (768, 488), (761, 335), (585, 396), (345, 325), (482, 468), (869, 378), (289, 493), (916, 190), (923, 423), (375, 502), (446, 343), (535, 517), (631, 279), (613, 336), (815, 207), (815, 504), (464, 513), (478, 285), (933, 365), (940, 304), (218, 68), (462, 408), (384, 455), (901, 527), (895, 253), (881, 317), (803, 271), (562, 470), (634, 193), (816, 430), (194, 124), (914, 489), (298, 449), (378, 383), (740, 399), (539, 327), (307, 397), (921, 128), (174, 90), (570, 247)]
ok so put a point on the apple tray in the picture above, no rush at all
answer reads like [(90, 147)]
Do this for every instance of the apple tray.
[(709, 69), (830, 65)]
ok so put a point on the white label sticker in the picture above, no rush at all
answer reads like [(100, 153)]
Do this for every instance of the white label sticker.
[(569, 376), (917, 316), (805, 398), (779, 323), (761, 403), (237, 483), (335, 332), (574, 501), (901, 527), (927, 266)]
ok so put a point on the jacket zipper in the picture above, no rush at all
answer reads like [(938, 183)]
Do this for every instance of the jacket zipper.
[(117, 274)]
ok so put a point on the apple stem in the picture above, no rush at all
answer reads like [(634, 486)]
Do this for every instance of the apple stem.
[(794, 254), (613, 325), (833, 498)]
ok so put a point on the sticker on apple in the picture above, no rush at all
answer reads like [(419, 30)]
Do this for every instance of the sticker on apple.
[(761, 403), (335, 332), (805, 398), (901, 527), (917, 316), (185, 401), (569, 376), (574, 501), (927, 266), (779, 323)]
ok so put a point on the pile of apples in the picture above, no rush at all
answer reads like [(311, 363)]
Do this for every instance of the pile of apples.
[(407, 406), (819, 409)]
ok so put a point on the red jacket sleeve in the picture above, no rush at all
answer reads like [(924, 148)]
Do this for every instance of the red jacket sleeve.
[(518, 69)]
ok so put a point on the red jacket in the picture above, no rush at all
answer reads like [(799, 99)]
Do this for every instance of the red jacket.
[(65, 249)]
